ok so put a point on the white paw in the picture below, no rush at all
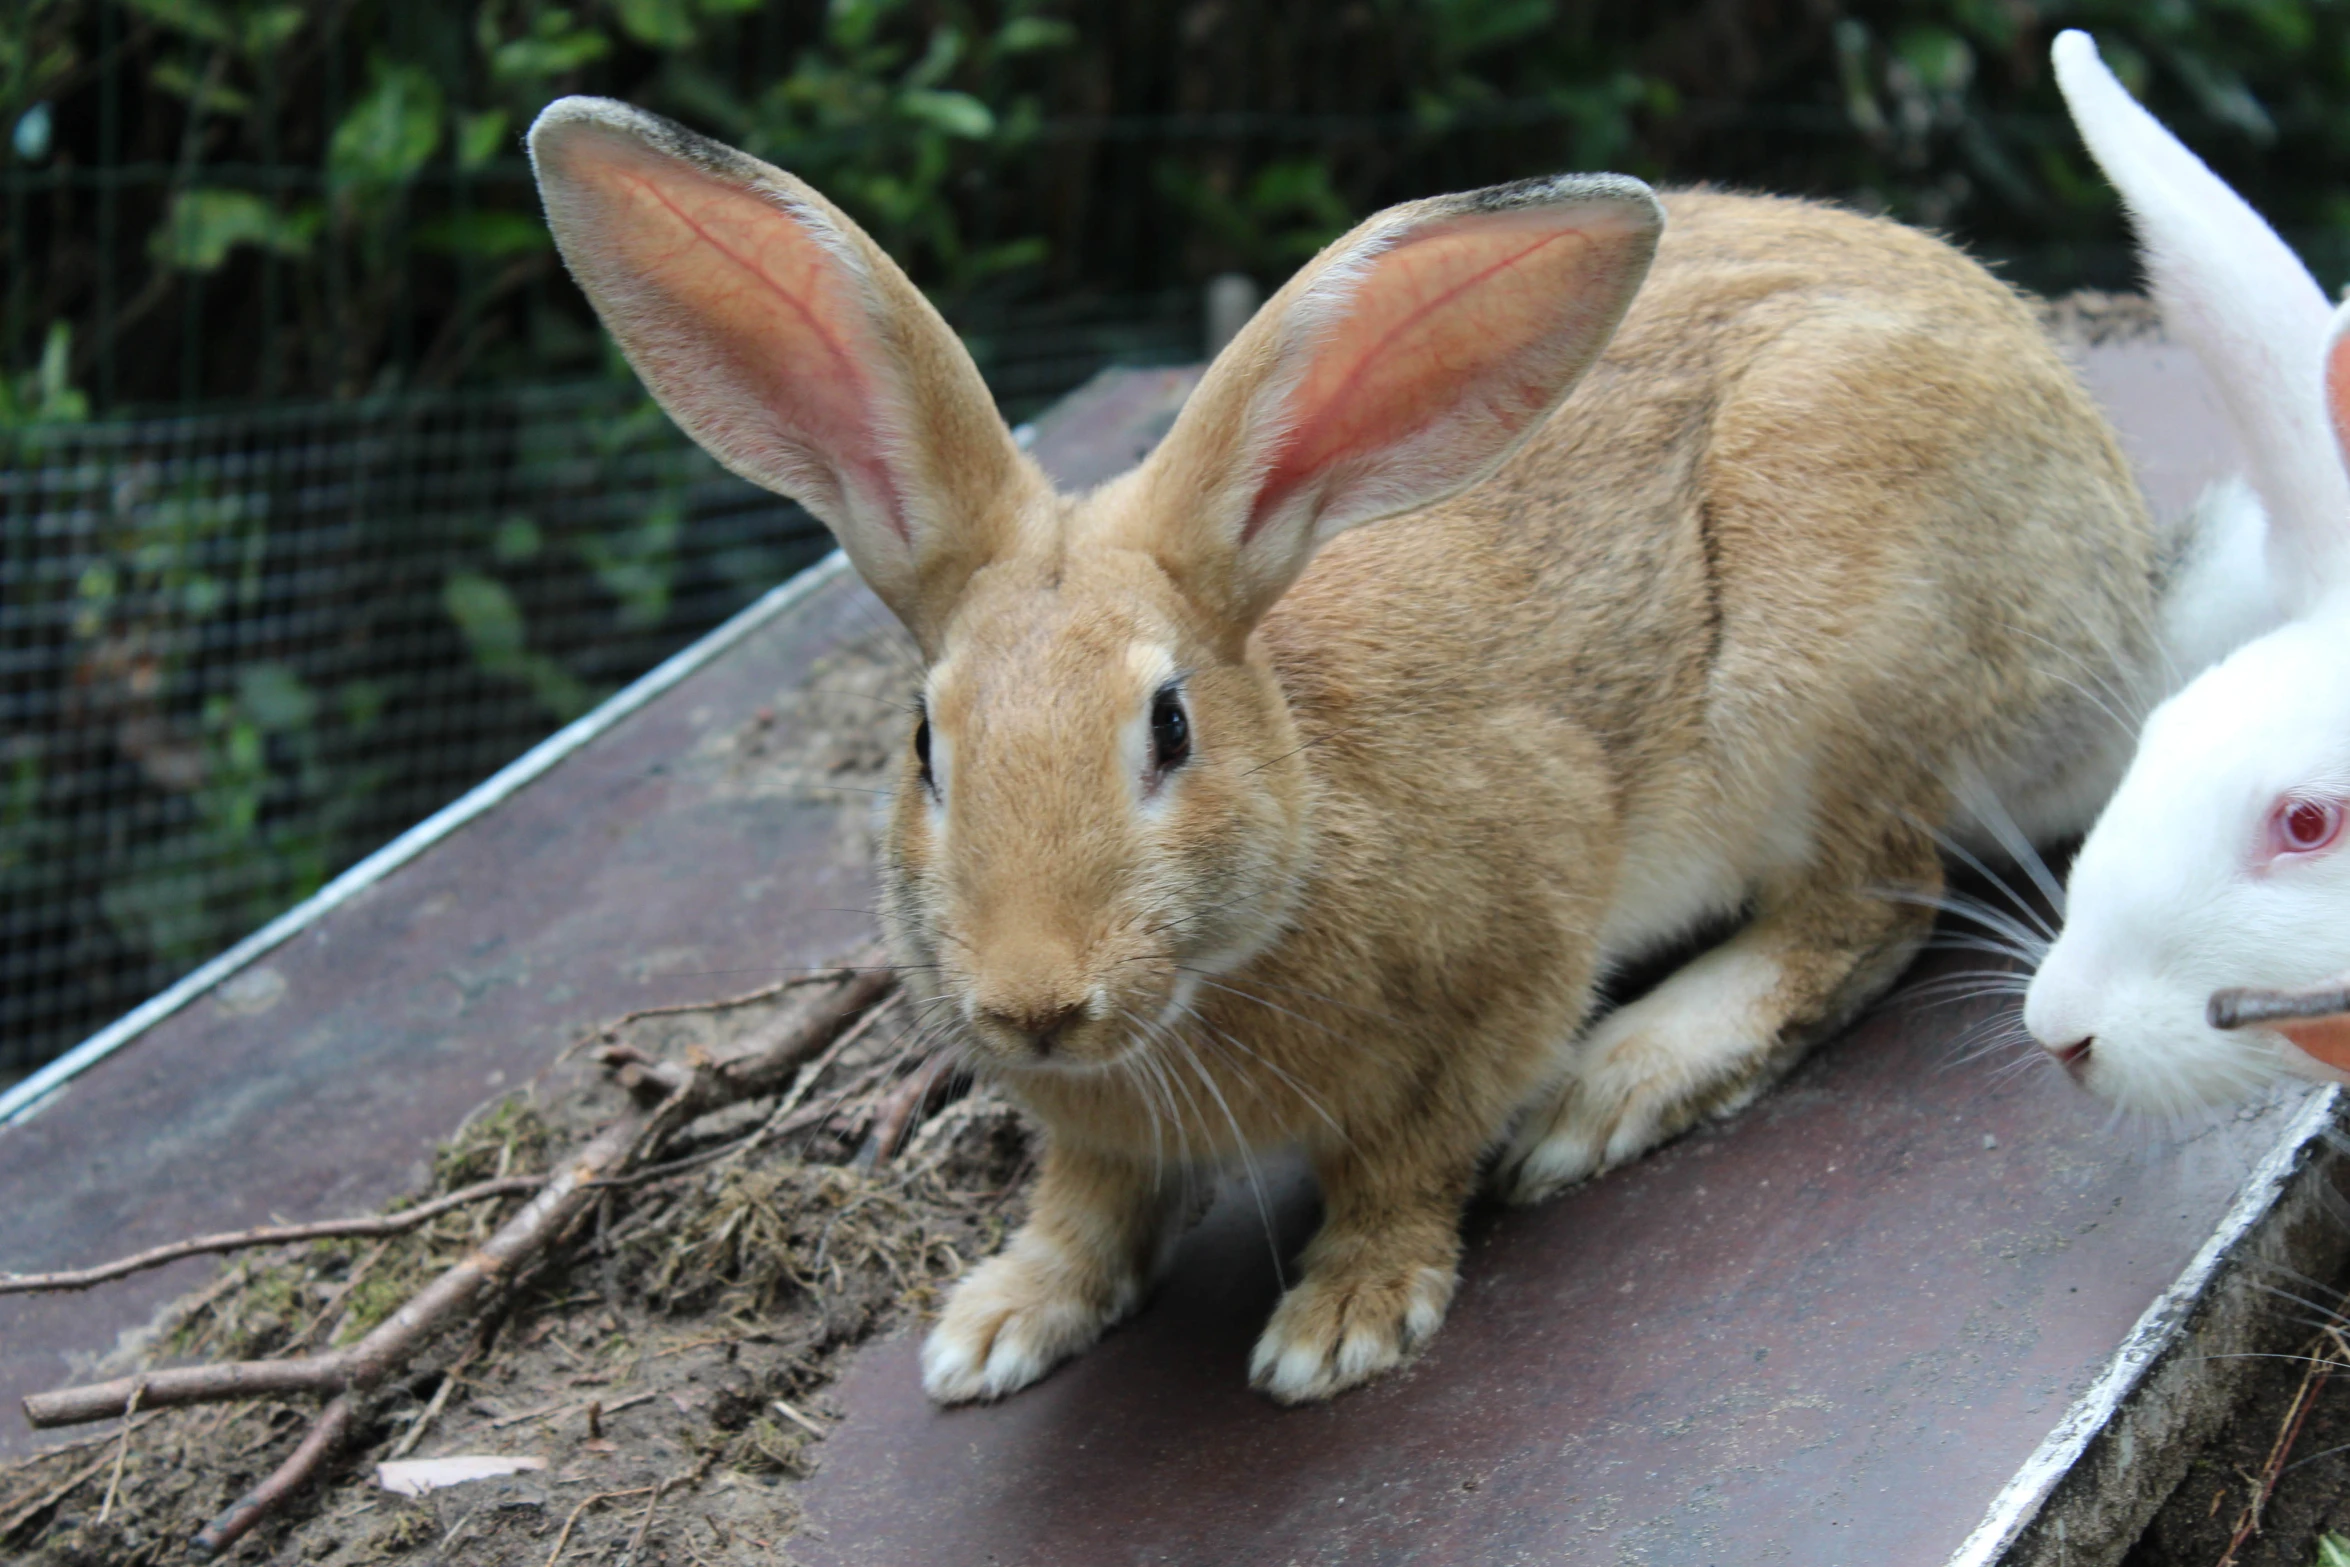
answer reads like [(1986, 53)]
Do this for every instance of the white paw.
[(1327, 1336), (1009, 1323), (1550, 1153)]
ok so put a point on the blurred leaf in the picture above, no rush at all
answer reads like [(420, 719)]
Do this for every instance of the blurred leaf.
[(196, 18), (363, 703), (491, 623), (1033, 34), (481, 137), (392, 132), (660, 24), (1459, 29), (555, 47), (1941, 58), (517, 539), (852, 23), (203, 226), (174, 77), (269, 27), (956, 113), (2224, 96), (275, 697), (487, 617), (490, 235), (47, 395), (946, 49), (638, 565)]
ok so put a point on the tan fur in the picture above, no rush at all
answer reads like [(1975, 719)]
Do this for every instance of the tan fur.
[(1828, 527), (1829, 521)]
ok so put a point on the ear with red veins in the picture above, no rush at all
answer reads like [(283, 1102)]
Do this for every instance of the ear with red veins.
[(1403, 365), (786, 343)]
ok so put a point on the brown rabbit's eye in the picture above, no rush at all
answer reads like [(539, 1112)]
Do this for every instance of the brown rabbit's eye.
[(1170, 730), (922, 751)]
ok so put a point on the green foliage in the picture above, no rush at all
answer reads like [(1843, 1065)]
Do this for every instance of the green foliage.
[(45, 394), (2332, 1551), (204, 225), (391, 133), (486, 612)]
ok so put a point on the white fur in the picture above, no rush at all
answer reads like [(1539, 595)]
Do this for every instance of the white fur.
[(2168, 901), (1008, 1325), (1297, 1358), (2174, 894), (2235, 293)]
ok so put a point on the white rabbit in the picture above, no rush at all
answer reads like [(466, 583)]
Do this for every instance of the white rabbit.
[(2218, 862)]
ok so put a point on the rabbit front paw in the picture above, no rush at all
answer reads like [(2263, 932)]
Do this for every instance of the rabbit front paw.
[(1331, 1333), (1012, 1321)]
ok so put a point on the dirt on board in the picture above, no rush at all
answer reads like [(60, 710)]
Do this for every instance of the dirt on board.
[(663, 1373)]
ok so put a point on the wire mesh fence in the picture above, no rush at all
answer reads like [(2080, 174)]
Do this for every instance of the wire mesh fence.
[(240, 649), (242, 641)]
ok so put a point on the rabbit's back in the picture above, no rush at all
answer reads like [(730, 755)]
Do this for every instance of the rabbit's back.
[(1831, 517)]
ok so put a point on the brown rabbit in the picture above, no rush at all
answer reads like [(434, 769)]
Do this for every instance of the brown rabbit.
[(1220, 831)]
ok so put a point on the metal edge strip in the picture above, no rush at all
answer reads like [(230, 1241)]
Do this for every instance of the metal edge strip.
[(28, 1098), (2019, 1502)]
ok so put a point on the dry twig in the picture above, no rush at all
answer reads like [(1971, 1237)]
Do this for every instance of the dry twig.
[(665, 1095), (326, 1434), (122, 1452), (267, 1235), (899, 1108), (572, 1522)]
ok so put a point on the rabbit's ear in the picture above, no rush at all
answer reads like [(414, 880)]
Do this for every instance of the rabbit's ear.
[(1402, 365), (2236, 294), (2325, 1039), (2338, 384), (783, 340)]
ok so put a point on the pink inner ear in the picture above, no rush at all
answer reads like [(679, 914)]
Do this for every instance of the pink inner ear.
[(2326, 1039), (2338, 384), (1474, 315), (725, 299)]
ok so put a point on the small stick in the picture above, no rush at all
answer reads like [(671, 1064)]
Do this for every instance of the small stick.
[(798, 1419), (637, 1540), (2241, 1008), (898, 1110), (604, 1031), (440, 1397), (325, 1436), (268, 1235), (563, 1539), (121, 1452), (557, 1411), (2264, 1484), (334, 1302), (60, 1491)]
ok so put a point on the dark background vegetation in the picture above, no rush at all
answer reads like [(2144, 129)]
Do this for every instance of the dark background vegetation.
[(216, 207), (258, 198)]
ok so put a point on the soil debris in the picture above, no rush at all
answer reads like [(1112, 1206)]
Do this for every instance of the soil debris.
[(669, 1365)]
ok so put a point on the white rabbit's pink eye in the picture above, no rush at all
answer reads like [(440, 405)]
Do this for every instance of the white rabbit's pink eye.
[(2303, 826)]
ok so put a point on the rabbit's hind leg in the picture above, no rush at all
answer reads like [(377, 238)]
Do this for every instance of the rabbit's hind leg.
[(1721, 1028)]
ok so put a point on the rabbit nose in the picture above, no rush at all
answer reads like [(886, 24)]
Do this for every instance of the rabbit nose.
[(2073, 1055), (1042, 1027)]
